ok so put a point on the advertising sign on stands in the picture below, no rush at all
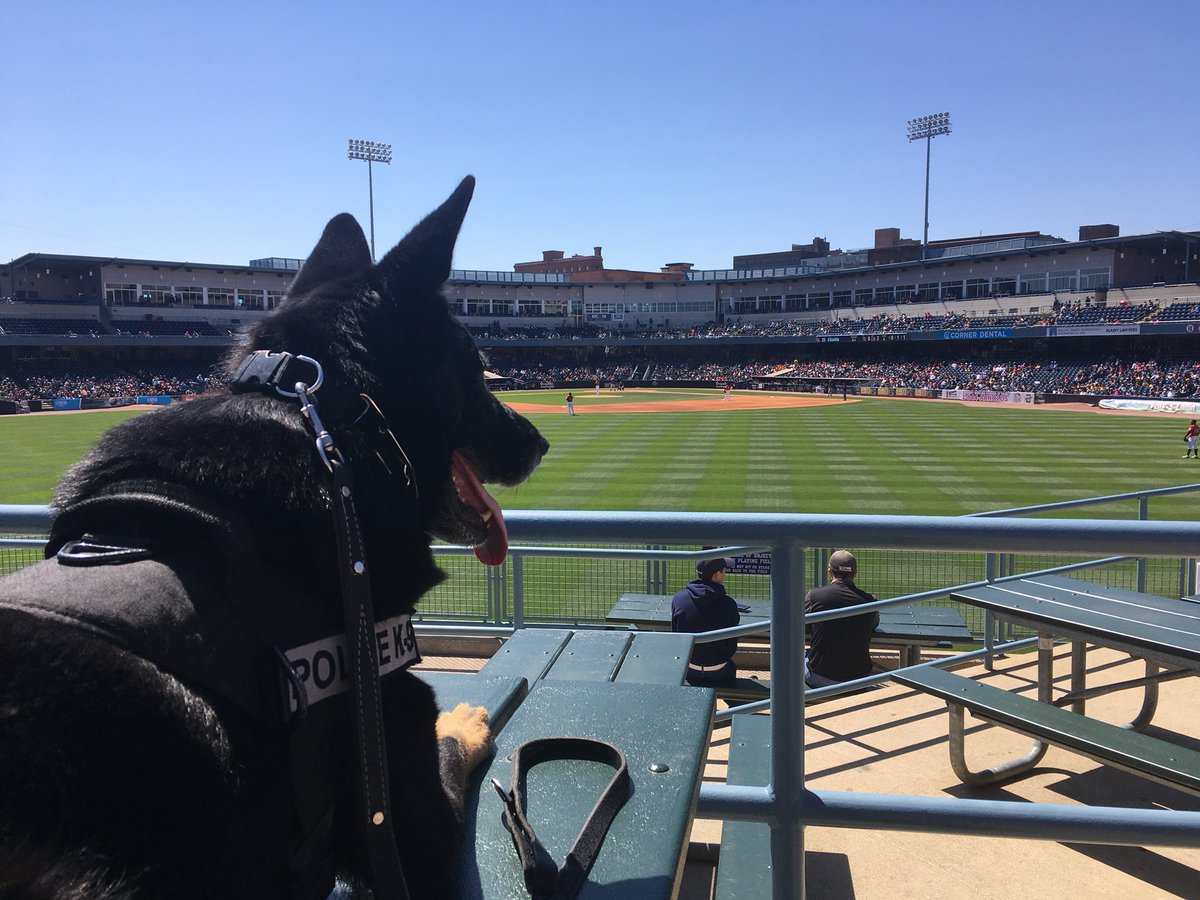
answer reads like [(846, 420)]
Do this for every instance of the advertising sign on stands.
[(1091, 330), (989, 396), (976, 334), (749, 563), (1184, 407)]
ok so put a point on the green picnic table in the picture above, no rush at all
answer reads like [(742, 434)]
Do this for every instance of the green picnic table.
[(620, 687), (908, 628)]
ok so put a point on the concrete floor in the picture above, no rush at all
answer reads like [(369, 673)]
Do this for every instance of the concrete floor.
[(891, 740)]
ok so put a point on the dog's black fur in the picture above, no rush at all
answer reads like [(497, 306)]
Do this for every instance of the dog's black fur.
[(120, 780)]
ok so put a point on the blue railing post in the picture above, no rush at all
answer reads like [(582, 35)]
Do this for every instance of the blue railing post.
[(518, 590), (989, 621), (787, 720), (1143, 515)]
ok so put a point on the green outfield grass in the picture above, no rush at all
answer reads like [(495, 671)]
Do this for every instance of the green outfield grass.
[(903, 457), (36, 449), (863, 456)]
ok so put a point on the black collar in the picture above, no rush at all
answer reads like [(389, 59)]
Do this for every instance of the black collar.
[(293, 376)]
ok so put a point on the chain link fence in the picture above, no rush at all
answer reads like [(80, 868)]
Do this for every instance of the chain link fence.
[(579, 585)]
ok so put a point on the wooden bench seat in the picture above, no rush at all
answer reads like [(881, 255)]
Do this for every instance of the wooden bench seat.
[(744, 869), (1140, 754), (743, 689)]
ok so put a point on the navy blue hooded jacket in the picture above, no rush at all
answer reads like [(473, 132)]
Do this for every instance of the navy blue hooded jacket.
[(704, 606)]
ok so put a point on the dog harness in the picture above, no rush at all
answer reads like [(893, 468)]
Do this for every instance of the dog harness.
[(178, 581), (164, 573)]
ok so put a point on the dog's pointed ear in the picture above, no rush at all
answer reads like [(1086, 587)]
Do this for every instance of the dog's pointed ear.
[(423, 258), (342, 251)]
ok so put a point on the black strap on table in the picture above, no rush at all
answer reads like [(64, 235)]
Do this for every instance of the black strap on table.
[(543, 879), (387, 876)]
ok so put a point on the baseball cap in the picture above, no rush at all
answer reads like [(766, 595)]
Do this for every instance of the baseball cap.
[(707, 567), (843, 562)]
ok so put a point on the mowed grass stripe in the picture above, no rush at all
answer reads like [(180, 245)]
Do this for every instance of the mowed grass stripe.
[(721, 458), (861, 465), (592, 457), (873, 455), (769, 484)]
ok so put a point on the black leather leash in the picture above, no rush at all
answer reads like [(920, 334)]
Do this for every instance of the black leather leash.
[(386, 873), (267, 372), (543, 878)]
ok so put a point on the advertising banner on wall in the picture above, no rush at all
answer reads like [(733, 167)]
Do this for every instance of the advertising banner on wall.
[(976, 334), (1186, 407), (989, 396), (1091, 330)]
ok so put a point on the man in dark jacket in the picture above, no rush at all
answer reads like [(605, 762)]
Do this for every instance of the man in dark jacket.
[(704, 606), (840, 648)]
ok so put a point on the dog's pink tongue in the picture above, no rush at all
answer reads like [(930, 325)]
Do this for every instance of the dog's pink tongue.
[(494, 548)]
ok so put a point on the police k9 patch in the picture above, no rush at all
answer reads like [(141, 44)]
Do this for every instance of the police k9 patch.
[(323, 667)]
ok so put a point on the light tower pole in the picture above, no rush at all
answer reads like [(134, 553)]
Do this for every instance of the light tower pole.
[(928, 127), (371, 151)]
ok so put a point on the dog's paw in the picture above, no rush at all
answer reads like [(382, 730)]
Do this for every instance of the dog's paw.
[(469, 726)]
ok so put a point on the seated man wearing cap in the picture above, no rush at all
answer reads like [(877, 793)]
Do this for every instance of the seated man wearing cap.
[(839, 649), (704, 606)]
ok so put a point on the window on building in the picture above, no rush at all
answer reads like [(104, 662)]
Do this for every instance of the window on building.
[(1090, 279), (117, 294), (951, 290), (1003, 285), (1034, 283), (1063, 281), (156, 295), (249, 298), (978, 287)]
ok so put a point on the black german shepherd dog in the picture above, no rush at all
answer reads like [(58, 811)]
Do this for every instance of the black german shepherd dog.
[(173, 715)]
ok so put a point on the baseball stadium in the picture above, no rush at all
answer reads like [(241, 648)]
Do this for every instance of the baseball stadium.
[(993, 425)]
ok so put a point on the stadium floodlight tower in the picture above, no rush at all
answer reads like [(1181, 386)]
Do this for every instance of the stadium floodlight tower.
[(928, 127), (372, 152)]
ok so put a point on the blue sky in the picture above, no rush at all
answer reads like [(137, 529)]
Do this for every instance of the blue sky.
[(661, 131)]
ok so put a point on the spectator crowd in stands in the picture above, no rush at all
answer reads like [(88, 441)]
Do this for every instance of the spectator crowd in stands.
[(47, 382), (1107, 377), (1110, 377), (883, 323)]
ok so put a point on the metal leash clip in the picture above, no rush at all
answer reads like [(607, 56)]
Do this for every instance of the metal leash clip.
[(308, 406)]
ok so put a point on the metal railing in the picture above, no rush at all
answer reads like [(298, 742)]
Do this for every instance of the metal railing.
[(786, 804)]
